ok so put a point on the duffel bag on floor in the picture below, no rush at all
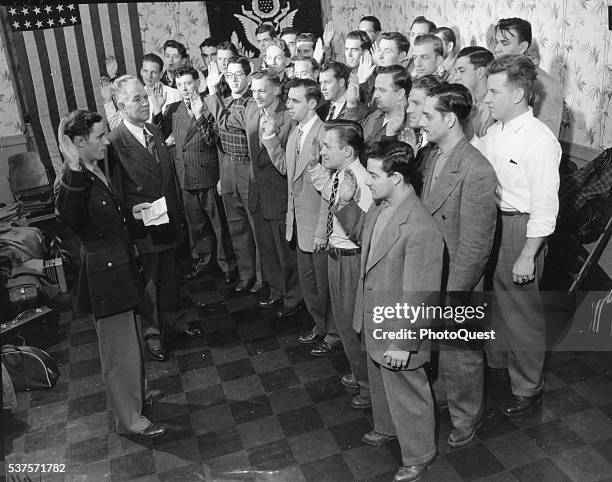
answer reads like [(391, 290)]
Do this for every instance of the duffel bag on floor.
[(30, 368)]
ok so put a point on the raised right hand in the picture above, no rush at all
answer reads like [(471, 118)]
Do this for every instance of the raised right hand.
[(67, 147), (366, 67), (214, 78), (352, 94), (348, 190), (105, 89)]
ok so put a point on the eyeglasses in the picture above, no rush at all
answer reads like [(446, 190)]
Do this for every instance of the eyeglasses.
[(235, 75)]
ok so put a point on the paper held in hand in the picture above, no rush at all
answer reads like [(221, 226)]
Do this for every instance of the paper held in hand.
[(157, 214)]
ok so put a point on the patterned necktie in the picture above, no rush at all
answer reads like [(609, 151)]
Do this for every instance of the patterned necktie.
[(150, 142), (332, 111), (332, 201), (298, 145)]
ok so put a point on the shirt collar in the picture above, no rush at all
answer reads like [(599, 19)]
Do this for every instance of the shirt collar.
[(519, 121), (306, 127), (271, 108), (134, 128), (450, 150), (340, 102)]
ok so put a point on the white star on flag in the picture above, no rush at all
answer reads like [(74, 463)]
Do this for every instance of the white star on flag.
[(39, 24), (60, 8), (36, 10), (24, 10), (73, 19), (50, 22), (48, 9), (71, 6), (62, 20), (12, 11), (28, 24), (16, 25)]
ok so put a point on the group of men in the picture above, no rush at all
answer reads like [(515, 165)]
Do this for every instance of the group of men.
[(407, 171)]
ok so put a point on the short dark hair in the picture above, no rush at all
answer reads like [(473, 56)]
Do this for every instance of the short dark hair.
[(422, 19), (156, 59), (281, 44), (241, 60), (520, 71), (521, 26), (227, 45), (455, 98), (266, 27), (477, 56), (209, 42), (349, 133), (395, 156), (268, 75), (173, 44), (300, 58), (340, 70), (311, 87), (288, 31), (373, 20), (187, 70), (400, 77), (427, 83), (80, 123), (429, 38), (401, 41), (366, 43), (306, 37), (447, 33)]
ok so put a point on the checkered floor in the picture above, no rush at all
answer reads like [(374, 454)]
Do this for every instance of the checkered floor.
[(246, 402)]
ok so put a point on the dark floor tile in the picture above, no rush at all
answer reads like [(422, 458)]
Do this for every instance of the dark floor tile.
[(366, 462), (543, 470), (325, 389), (132, 465), (584, 464), (270, 360), (254, 330), (339, 361), (604, 447), (598, 390), (194, 361), (251, 409), (84, 428), (348, 435), (119, 444), (592, 425), (553, 437), (243, 388), (298, 353), (40, 438), (227, 466), (211, 419), (205, 397), (176, 454), (495, 425), (260, 432), (474, 462), (87, 451), (572, 371), (329, 469), (313, 445), (515, 449), (195, 379), (83, 337), (169, 385), (216, 323), (59, 393), (235, 369), (87, 405), (85, 368), (564, 401), (289, 399), (219, 338), (260, 345), (273, 456), (338, 410), (316, 369), (300, 420), (607, 410), (279, 379), (189, 473), (221, 442)]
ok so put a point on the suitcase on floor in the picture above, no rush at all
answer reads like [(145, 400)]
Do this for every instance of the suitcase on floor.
[(36, 327)]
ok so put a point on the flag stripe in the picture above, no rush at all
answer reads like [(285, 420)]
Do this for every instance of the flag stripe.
[(75, 69), (104, 28), (93, 61), (98, 44), (135, 30), (84, 67), (115, 30), (48, 48), (126, 35), (32, 103), (67, 79)]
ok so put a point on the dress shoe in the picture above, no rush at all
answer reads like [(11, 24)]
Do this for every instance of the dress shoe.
[(520, 406), (349, 381), (194, 330), (243, 286), (310, 337), (156, 348), (230, 277), (462, 436), (360, 402), (153, 396), (197, 270), (286, 311), (323, 349), (258, 286), (152, 431), (269, 302), (411, 473), (376, 439)]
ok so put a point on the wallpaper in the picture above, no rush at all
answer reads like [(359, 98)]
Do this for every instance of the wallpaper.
[(10, 123), (571, 38)]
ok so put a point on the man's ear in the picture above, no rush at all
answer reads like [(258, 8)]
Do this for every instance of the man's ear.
[(524, 46), (79, 141), (120, 105), (401, 94), (481, 72), (439, 60), (312, 103), (518, 95)]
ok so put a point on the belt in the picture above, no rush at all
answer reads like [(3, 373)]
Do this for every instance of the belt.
[(335, 252), (512, 213)]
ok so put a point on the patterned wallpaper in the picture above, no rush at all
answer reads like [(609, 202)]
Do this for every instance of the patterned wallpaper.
[(10, 122), (574, 44)]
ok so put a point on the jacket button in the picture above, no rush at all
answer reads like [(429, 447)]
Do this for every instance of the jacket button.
[(110, 265), (103, 203)]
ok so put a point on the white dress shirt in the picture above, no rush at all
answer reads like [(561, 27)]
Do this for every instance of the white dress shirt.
[(306, 129), (526, 156), (137, 132), (338, 105)]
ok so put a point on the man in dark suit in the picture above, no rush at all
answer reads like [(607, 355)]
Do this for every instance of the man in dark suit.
[(141, 173), (197, 169), (334, 82), (268, 187), (109, 286), (459, 192)]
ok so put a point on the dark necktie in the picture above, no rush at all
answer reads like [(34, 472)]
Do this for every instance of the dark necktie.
[(332, 111), (298, 145), (150, 142), (332, 201)]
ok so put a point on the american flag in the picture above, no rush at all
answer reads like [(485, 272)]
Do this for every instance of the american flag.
[(61, 50)]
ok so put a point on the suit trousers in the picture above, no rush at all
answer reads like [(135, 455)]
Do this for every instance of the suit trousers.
[(208, 229), (344, 274), (517, 311), (314, 283), (278, 259), (239, 220), (123, 369), (402, 405)]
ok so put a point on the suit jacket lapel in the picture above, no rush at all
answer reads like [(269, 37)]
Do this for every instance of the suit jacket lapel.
[(309, 143), (138, 155), (367, 235), (447, 180), (187, 120), (291, 154)]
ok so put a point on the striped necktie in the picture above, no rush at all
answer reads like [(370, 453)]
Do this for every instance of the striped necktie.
[(150, 142), (332, 111), (332, 202), (298, 145)]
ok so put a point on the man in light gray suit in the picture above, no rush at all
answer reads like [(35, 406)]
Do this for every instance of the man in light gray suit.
[(459, 192), (306, 210)]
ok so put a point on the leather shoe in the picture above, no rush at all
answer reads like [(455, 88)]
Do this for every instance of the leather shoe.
[(310, 337), (323, 349), (286, 311), (360, 402), (197, 270), (376, 439), (194, 330), (521, 405), (243, 285), (349, 381), (230, 277), (152, 431), (269, 302), (258, 286), (462, 436), (153, 396), (156, 348), (411, 473)]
